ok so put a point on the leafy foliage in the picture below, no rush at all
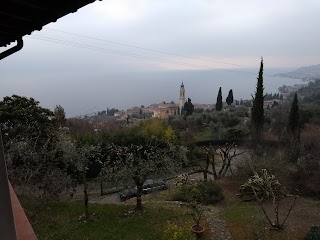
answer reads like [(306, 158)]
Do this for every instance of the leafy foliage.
[(266, 186), (175, 232), (235, 133), (156, 127), (22, 117), (204, 192), (261, 184)]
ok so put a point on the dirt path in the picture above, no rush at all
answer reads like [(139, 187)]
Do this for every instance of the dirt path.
[(217, 225)]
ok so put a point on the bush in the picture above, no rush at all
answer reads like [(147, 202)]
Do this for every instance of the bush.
[(313, 234), (228, 120), (261, 185), (274, 160), (233, 133), (175, 232), (204, 192)]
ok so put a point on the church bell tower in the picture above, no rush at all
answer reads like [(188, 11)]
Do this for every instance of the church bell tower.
[(182, 98)]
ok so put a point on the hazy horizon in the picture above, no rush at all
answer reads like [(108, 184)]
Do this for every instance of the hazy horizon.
[(121, 53), (145, 88)]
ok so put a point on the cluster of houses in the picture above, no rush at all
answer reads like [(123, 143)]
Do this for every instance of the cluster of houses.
[(136, 114), (285, 91)]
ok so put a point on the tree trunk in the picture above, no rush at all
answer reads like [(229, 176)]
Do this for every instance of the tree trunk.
[(226, 168), (139, 200), (205, 175), (85, 191), (205, 172), (101, 187), (214, 168), (222, 167)]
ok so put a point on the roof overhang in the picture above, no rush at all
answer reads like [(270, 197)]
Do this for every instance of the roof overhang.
[(21, 17)]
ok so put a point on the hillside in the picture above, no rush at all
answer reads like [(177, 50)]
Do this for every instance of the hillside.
[(311, 93), (305, 73)]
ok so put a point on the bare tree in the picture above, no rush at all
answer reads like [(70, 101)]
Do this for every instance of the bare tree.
[(227, 154), (204, 167)]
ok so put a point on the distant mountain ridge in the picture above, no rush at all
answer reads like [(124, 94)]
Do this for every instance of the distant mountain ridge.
[(308, 73)]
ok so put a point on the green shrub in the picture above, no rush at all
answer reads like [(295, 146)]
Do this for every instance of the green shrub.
[(175, 232), (233, 133), (313, 234), (204, 192), (263, 185)]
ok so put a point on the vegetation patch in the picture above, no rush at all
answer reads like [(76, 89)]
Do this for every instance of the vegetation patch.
[(203, 192), (245, 220), (60, 220)]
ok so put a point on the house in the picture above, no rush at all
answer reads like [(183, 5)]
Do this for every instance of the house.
[(165, 110), (269, 103)]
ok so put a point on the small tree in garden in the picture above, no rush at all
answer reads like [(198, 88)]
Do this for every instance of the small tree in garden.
[(197, 213), (263, 187), (86, 153), (203, 167), (139, 161), (228, 152)]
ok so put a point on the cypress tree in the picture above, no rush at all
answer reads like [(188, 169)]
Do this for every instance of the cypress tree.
[(188, 107), (229, 99), (293, 129), (293, 124), (219, 101), (257, 110)]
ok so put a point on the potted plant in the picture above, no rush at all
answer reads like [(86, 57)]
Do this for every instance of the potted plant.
[(198, 210)]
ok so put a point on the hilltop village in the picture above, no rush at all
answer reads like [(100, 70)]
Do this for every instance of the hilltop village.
[(164, 110)]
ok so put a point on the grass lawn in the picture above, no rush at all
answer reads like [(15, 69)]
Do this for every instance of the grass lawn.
[(59, 220)]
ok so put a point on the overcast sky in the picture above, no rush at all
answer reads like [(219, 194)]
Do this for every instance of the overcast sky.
[(200, 34)]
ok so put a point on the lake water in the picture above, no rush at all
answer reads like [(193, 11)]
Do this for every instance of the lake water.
[(201, 86)]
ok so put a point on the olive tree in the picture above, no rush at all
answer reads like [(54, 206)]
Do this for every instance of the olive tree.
[(86, 153), (140, 161), (44, 167)]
